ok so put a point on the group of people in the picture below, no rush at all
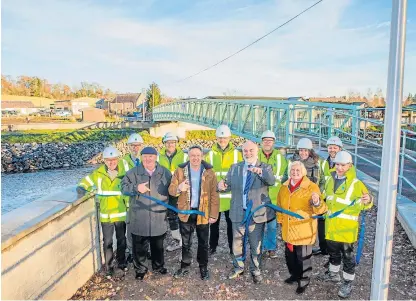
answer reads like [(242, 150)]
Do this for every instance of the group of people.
[(142, 193)]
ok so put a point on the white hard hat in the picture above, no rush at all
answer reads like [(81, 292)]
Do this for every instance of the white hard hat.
[(268, 134), (304, 143), (135, 138), (334, 140), (110, 152), (343, 157), (169, 136), (223, 131)]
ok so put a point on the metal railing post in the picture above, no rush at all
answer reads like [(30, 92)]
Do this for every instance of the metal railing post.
[(320, 130), (402, 162)]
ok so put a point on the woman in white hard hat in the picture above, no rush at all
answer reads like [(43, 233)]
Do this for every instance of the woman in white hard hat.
[(105, 181), (305, 154), (341, 232)]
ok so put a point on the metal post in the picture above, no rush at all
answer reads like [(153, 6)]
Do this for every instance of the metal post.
[(355, 139), (390, 158), (402, 162), (320, 130)]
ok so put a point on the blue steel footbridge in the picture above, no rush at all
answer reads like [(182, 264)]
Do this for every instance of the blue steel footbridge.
[(290, 120)]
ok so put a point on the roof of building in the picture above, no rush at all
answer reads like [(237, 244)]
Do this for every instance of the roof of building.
[(123, 98), (16, 104)]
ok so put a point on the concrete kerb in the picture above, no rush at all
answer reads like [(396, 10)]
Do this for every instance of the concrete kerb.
[(37, 214), (406, 208)]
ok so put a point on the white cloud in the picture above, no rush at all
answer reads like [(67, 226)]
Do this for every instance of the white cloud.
[(314, 54)]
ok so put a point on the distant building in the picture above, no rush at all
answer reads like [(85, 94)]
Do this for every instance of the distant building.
[(126, 103), (64, 105), (102, 104), (92, 115), (74, 106), (22, 107)]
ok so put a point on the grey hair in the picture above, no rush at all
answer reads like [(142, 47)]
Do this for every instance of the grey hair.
[(302, 167)]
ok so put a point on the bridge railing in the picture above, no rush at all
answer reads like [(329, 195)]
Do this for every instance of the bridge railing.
[(289, 120)]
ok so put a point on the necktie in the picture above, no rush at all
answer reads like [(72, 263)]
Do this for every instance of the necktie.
[(137, 162), (248, 180)]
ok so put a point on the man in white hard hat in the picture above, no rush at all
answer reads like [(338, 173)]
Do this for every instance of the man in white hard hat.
[(170, 156), (334, 145), (341, 190), (105, 181), (268, 154), (135, 144), (221, 156)]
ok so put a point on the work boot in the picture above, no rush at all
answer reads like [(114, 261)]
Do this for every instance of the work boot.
[(174, 245), (290, 280), (123, 267), (212, 251), (300, 289), (272, 254), (345, 289), (330, 277), (162, 271), (109, 272), (257, 278), (182, 272), (316, 251), (235, 273), (204, 273), (140, 276)]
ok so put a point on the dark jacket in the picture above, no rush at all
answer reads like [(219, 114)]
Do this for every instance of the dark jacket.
[(146, 217), (208, 199)]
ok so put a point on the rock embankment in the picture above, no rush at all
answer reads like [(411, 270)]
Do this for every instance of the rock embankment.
[(26, 157)]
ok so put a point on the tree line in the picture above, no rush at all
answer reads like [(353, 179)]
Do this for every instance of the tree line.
[(35, 86)]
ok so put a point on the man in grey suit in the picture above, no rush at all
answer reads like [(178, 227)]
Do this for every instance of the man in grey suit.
[(248, 181)]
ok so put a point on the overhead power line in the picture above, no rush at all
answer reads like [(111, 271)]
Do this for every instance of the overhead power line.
[(252, 43)]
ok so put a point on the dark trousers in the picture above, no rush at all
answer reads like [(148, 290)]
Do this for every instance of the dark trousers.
[(215, 231), (321, 236), (172, 215), (108, 232), (140, 249), (299, 263), (202, 232), (342, 252)]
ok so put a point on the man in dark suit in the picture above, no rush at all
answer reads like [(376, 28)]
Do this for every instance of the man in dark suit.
[(248, 181)]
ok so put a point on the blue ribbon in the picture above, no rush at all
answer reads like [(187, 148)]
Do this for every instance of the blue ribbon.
[(172, 207), (361, 238), (249, 215)]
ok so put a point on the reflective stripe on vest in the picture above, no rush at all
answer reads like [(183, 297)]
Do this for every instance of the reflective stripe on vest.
[(100, 181), (89, 180), (185, 157), (279, 165), (109, 193), (347, 199), (221, 173), (345, 216), (113, 215), (235, 156), (126, 165), (211, 157), (225, 196)]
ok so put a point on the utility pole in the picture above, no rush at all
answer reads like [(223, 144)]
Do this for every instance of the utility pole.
[(390, 159)]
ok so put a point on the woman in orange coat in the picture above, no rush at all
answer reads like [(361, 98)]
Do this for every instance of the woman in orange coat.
[(300, 195)]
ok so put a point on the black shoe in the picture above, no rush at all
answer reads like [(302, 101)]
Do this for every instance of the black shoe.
[(140, 276), (204, 273), (301, 289), (316, 251), (326, 265), (257, 278), (109, 272), (212, 251), (162, 271), (181, 273), (290, 280), (123, 267)]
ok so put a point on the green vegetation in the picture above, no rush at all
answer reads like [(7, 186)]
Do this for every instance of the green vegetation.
[(205, 135), (67, 136)]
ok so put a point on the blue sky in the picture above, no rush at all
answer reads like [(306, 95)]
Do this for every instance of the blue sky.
[(338, 46)]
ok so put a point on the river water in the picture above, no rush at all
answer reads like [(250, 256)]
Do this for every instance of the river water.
[(22, 188)]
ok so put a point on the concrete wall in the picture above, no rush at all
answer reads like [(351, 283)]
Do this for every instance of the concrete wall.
[(50, 247), (179, 128)]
